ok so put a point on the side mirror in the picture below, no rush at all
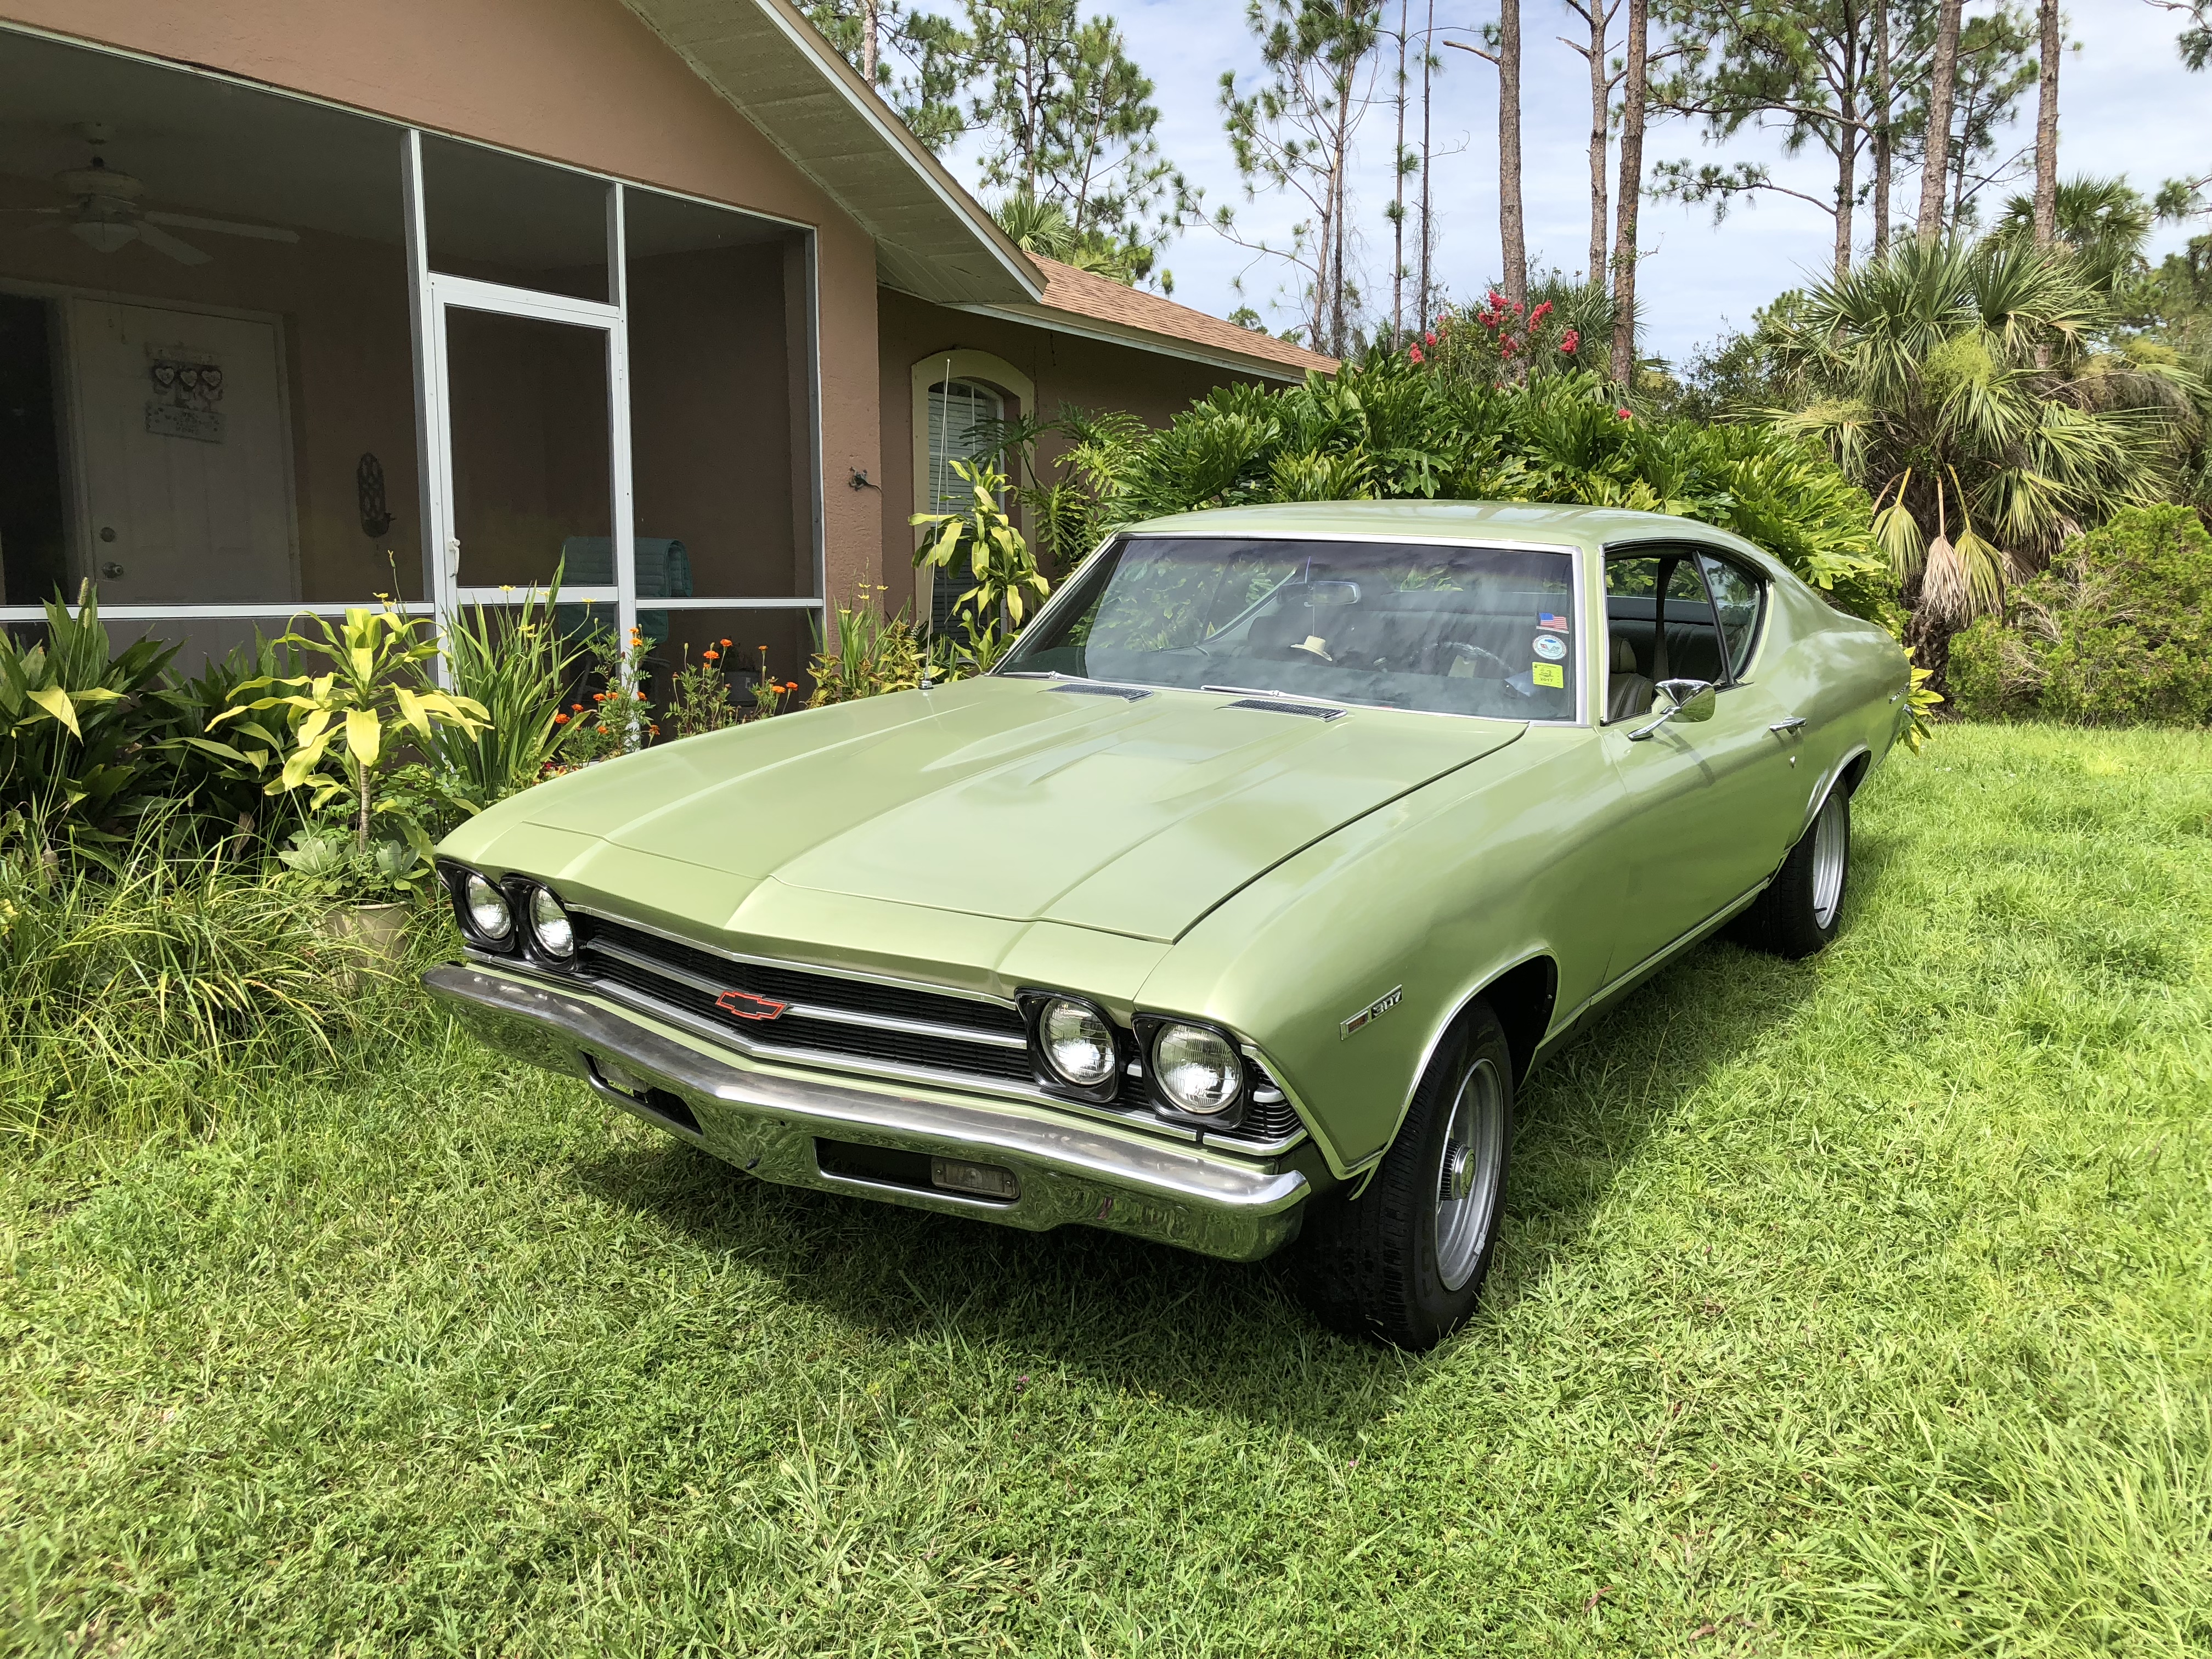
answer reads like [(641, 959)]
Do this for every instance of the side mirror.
[(1691, 702)]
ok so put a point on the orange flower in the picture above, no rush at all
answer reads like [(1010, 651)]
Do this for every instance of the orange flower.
[(596, 697), (578, 707), (560, 719), (710, 656), (790, 685), (726, 645)]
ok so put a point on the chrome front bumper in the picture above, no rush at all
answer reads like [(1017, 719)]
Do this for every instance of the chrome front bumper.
[(771, 1123)]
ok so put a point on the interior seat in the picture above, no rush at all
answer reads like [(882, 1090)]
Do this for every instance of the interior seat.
[(1628, 693)]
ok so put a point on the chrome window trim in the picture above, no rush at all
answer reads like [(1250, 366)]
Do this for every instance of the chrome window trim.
[(1578, 583), (810, 1010), (817, 1060)]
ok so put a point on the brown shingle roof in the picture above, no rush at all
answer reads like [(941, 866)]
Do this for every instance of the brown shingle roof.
[(1102, 299)]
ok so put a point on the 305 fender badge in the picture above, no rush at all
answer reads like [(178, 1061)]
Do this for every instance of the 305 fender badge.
[(1375, 1010), (744, 1004)]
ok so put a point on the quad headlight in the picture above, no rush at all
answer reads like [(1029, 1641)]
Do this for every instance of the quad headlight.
[(484, 909), (549, 926), (1077, 1044), (1197, 1069)]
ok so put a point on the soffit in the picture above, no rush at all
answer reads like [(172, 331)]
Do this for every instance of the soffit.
[(932, 238)]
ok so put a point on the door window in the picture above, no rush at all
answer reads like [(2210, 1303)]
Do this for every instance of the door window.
[(1737, 598), (1660, 625)]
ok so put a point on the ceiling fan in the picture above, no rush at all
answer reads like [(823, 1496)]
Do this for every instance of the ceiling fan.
[(103, 212)]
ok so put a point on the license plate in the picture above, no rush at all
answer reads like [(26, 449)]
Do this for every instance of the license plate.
[(982, 1180)]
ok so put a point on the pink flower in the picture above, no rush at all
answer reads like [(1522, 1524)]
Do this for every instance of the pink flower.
[(1568, 341), (1431, 336), (1507, 346), (1415, 354), (1623, 413), (1540, 313)]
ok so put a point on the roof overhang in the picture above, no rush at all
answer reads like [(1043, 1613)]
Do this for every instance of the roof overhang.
[(1166, 345), (932, 238)]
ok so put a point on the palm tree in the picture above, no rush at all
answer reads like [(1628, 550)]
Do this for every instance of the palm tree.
[(2101, 221), (1920, 373)]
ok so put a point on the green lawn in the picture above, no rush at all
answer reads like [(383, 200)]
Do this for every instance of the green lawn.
[(1858, 1305)]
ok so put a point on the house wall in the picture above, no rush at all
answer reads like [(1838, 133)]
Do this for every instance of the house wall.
[(1065, 369), (581, 82)]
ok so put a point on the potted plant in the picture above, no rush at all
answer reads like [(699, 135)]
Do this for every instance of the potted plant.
[(352, 721)]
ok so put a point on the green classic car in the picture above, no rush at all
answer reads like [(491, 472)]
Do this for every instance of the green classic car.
[(1231, 909)]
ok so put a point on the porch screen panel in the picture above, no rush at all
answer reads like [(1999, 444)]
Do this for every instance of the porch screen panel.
[(205, 348), (721, 401)]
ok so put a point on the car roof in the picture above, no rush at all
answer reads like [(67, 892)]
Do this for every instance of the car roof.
[(1519, 521)]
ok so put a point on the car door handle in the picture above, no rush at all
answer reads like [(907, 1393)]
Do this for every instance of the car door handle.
[(1796, 722)]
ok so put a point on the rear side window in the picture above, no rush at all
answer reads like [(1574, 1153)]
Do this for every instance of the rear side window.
[(1737, 599)]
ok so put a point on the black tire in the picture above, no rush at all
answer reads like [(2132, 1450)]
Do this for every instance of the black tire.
[(1800, 912), (1372, 1266)]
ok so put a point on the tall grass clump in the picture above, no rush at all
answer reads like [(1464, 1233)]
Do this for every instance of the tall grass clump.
[(151, 990)]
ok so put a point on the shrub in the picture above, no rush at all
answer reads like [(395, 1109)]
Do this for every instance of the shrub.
[(2116, 633), (1393, 428), (150, 990)]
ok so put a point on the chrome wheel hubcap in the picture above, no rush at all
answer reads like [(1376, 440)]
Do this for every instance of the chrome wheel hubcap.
[(1831, 850), (1467, 1179)]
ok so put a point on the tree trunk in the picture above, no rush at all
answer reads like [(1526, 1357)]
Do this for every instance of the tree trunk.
[(361, 812), (1630, 194), (1881, 141), (1398, 197), (1511, 233), (1601, 98), (1847, 182), (871, 21), (1943, 74), (2046, 131), (1428, 233)]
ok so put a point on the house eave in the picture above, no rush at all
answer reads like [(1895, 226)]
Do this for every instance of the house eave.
[(1090, 328), (768, 63)]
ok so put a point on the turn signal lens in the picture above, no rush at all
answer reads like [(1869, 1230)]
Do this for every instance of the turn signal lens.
[(1077, 1044), (549, 924), (1197, 1070), (486, 908)]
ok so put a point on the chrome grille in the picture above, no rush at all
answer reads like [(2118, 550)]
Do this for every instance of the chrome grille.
[(828, 1016)]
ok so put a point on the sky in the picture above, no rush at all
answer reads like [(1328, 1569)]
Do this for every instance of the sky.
[(2126, 105)]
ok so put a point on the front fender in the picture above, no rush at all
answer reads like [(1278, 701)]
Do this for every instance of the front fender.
[(1431, 898)]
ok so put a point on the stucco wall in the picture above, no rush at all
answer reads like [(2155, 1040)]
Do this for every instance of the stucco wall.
[(1066, 369), (581, 82)]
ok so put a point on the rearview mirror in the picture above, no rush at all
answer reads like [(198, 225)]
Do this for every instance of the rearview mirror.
[(1691, 702)]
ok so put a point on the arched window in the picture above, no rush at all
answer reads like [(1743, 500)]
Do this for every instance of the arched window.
[(959, 412)]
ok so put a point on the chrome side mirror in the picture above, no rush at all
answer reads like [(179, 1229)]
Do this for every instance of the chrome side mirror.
[(1691, 702)]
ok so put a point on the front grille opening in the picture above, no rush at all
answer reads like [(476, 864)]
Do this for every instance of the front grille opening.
[(662, 1103)]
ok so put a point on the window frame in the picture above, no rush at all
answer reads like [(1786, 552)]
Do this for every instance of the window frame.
[(1693, 553)]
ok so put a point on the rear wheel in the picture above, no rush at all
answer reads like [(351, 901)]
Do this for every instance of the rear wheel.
[(1801, 909), (1405, 1262)]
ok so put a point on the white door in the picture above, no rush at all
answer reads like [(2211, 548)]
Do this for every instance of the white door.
[(183, 460)]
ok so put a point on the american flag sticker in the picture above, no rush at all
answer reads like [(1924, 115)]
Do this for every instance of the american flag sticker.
[(1556, 624)]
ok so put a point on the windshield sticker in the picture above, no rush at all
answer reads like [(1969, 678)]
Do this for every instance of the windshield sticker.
[(1556, 624), (1548, 674), (1549, 647)]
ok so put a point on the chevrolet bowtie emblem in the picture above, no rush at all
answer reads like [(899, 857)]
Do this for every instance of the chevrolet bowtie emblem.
[(744, 1004)]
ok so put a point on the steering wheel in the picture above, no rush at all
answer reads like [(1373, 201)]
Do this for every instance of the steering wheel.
[(1505, 670)]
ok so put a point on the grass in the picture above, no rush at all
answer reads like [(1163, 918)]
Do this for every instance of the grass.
[(1854, 1306)]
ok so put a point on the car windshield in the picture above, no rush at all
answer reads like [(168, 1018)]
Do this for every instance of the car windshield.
[(1445, 629)]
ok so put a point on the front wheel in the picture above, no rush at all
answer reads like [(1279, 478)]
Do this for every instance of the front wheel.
[(1801, 909), (1405, 1262)]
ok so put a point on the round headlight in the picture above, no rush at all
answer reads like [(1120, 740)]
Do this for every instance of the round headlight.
[(549, 924), (486, 907), (1077, 1044), (1198, 1071)]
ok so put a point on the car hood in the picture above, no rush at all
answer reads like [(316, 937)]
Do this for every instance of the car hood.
[(1019, 799)]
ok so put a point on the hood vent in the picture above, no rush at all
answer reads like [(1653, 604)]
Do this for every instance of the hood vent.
[(1312, 711), (1126, 693)]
